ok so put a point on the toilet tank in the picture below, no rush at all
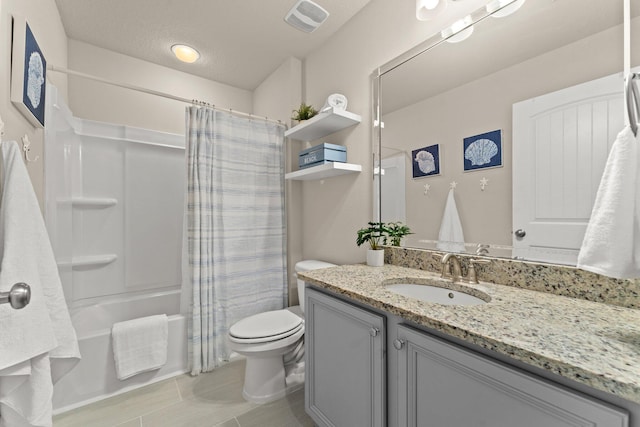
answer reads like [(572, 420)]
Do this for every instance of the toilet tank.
[(308, 265)]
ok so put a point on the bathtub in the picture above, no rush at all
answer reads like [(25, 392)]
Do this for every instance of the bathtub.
[(94, 377)]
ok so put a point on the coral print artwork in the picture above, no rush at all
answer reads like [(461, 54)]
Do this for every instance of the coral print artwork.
[(426, 161), (483, 151)]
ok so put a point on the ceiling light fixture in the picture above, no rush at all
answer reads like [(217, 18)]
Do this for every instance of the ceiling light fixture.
[(429, 9), (459, 30), (185, 53), (502, 8)]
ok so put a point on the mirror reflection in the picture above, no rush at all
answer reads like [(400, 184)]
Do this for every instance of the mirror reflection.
[(518, 119)]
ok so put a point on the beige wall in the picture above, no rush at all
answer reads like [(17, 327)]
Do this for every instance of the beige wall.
[(334, 209), (276, 97), (97, 101), (44, 20)]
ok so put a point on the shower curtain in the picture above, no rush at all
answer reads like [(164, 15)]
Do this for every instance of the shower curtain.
[(234, 257)]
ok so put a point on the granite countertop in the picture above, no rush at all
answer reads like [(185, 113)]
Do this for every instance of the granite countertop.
[(592, 343)]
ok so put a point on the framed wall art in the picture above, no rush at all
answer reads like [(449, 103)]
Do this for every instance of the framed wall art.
[(483, 151), (28, 73), (426, 161)]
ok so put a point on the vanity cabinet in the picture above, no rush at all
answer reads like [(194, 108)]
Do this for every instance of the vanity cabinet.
[(345, 363), (428, 382), (441, 384)]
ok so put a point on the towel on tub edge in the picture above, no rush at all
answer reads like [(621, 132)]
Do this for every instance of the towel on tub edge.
[(140, 345)]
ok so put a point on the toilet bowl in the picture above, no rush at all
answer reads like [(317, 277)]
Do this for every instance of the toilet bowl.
[(273, 345)]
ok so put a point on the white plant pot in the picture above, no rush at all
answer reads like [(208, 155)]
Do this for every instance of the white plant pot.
[(375, 258)]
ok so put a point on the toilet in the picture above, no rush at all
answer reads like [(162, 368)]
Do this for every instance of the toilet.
[(273, 345)]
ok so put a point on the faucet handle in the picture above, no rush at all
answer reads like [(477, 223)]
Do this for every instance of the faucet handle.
[(472, 275)]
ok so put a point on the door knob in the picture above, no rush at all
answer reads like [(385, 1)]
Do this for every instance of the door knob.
[(398, 344), (520, 233), (18, 297)]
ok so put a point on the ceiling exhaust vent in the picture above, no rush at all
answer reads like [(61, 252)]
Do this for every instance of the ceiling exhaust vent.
[(306, 16)]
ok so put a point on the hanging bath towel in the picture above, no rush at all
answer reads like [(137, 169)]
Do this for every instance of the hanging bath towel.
[(611, 244), (451, 238), (38, 341)]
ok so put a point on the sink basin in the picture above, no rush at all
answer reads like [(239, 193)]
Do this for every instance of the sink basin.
[(435, 294)]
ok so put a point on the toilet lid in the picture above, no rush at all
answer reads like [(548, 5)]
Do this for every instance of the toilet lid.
[(267, 326)]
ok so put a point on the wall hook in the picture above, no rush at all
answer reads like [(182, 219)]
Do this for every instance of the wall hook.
[(1, 128), (453, 185), (427, 187), (483, 183), (26, 147)]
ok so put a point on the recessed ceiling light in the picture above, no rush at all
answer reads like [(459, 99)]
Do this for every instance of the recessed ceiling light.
[(185, 53)]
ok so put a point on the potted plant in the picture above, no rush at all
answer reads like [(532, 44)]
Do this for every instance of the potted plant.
[(396, 231), (376, 234), (304, 112)]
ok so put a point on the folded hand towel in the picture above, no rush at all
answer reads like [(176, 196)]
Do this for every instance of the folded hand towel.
[(611, 244), (451, 238), (140, 345), (34, 338)]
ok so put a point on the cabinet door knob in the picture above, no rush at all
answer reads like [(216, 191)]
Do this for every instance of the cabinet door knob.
[(374, 332), (398, 344)]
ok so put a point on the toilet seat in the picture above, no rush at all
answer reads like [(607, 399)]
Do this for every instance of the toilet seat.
[(266, 327)]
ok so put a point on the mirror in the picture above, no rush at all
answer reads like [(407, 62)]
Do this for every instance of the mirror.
[(440, 98)]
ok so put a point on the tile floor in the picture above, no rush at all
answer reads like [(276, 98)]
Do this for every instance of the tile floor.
[(208, 400)]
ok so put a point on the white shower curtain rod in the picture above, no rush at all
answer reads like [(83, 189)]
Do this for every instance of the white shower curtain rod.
[(155, 92)]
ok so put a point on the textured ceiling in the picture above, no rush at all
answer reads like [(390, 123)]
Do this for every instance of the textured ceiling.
[(241, 41)]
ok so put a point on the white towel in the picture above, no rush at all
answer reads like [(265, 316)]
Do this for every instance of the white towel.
[(36, 339), (451, 238), (611, 244), (140, 345)]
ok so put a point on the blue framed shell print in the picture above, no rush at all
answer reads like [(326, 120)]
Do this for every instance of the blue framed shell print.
[(483, 151), (426, 161), (28, 73)]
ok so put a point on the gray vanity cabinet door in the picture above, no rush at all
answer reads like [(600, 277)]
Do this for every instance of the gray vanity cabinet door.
[(443, 385), (345, 363)]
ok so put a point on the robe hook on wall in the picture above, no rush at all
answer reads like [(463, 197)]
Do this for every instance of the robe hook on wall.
[(483, 183), (26, 147)]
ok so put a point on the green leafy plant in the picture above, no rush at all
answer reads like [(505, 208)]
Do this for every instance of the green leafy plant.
[(304, 112), (376, 234), (396, 231)]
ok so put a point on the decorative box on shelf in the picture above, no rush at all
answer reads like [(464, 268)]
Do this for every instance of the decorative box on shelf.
[(321, 154)]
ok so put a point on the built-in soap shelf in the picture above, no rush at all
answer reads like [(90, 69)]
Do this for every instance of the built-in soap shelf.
[(89, 261), (89, 202)]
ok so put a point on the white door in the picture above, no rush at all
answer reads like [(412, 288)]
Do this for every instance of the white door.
[(393, 184), (561, 142)]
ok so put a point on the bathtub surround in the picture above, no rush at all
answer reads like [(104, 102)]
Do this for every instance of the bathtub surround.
[(235, 242), (110, 188), (38, 341)]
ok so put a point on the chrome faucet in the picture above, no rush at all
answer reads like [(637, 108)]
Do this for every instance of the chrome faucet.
[(451, 267)]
